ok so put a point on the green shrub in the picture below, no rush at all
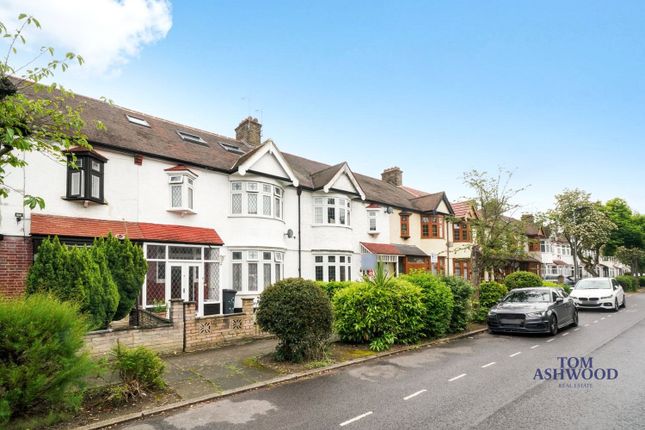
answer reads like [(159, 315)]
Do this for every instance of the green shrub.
[(522, 280), (42, 362), (365, 313), (128, 269), (629, 283), (462, 294), (331, 287), (76, 274), (641, 281), (438, 302), (140, 369), (565, 287), (299, 313), (490, 293)]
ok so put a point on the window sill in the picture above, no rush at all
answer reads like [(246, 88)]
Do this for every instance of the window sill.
[(85, 201), (435, 238), (182, 211), (257, 216), (349, 227), (374, 232)]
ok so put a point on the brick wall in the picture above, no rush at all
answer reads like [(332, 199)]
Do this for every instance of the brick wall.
[(16, 256), (200, 333)]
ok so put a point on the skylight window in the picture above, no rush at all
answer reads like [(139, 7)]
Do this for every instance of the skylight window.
[(191, 137), (231, 148), (137, 121)]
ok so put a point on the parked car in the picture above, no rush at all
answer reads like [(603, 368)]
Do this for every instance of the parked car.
[(598, 293), (533, 310)]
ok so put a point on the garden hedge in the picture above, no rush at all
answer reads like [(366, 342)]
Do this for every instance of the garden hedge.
[(462, 294), (438, 301), (522, 280), (490, 293)]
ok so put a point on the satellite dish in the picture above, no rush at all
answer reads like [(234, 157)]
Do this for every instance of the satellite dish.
[(389, 210)]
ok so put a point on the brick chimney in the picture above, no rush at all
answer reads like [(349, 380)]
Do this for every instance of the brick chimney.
[(393, 176), (249, 131)]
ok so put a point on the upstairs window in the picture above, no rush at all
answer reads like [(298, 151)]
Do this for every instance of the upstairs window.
[(189, 137), (182, 191), (332, 211), (405, 225), (461, 232), (85, 181), (372, 221), (256, 199)]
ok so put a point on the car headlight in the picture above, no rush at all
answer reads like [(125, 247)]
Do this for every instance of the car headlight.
[(536, 314), (492, 312), (606, 297)]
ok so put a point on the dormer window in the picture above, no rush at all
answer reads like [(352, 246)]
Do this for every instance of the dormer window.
[(85, 181), (181, 185)]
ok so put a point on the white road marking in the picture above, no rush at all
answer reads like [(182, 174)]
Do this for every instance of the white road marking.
[(535, 346), (564, 334), (414, 394), (517, 353), (595, 322), (602, 318), (550, 340), (609, 316), (586, 325), (356, 418), (489, 364), (456, 377), (576, 329)]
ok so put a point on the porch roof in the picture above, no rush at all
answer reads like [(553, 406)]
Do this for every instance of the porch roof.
[(55, 225), (560, 263), (381, 248)]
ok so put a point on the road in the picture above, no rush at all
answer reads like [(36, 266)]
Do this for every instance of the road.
[(483, 382)]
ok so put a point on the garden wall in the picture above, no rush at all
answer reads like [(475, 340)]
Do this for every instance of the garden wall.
[(184, 332)]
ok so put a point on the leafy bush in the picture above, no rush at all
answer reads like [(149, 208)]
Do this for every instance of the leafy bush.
[(331, 287), (565, 287), (299, 313), (490, 293), (522, 280), (438, 302), (139, 369), (365, 313), (43, 365), (462, 294), (629, 283), (641, 281), (76, 274), (128, 269)]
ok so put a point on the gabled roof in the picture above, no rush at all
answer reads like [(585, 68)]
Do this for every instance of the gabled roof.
[(54, 225), (463, 209), (431, 202), (246, 161), (413, 191), (326, 178)]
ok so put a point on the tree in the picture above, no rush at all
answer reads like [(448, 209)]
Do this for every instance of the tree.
[(499, 238), (35, 117), (583, 224), (128, 268), (629, 228), (633, 257)]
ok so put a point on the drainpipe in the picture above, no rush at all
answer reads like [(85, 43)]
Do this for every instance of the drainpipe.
[(183, 311), (299, 191), (446, 269)]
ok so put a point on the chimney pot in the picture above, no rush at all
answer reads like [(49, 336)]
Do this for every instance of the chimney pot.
[(393, 176)]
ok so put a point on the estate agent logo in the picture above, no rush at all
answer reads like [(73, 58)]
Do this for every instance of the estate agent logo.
[(575, 372)]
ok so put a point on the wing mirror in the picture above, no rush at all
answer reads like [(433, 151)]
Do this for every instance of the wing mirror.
[(559, 300)]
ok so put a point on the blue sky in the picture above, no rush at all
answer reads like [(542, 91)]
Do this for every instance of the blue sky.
[(553, 90)]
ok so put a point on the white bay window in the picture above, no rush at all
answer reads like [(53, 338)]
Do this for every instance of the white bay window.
[(254, 270), (256, 199), (333, 267), (332, 211)]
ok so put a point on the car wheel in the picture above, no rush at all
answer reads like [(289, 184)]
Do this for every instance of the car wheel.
[(616, 306), (553, 325), (624, 305), (575, 318)]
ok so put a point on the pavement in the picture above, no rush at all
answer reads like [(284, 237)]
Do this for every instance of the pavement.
[(484, 382)]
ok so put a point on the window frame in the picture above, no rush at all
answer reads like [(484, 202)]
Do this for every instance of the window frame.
[(372, 215), (187, 191), (341, 208), (458, 230), (86, 173), (262, 192), (340, 264), (256, 257), (404, 221)]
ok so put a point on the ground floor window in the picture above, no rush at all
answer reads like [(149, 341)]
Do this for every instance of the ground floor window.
[(462, 268), (333, 267), (439, 267), (252, 270), (187, 272)]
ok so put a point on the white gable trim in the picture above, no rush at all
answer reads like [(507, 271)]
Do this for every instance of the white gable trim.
[(344, 170), (270, 148)]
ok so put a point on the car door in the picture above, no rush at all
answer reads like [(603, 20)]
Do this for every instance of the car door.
[(560, 308), (618, 291)]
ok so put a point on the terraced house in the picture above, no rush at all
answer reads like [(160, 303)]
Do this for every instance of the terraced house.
[(215, 212)]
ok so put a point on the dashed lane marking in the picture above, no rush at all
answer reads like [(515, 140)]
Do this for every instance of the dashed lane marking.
[(576, 329), (535, 346), (360, 417), (489, 364), (516, 354), (550, 340), (602, 318), (414, 394), (595, 322), (564, 334), (457, 377), (586, 325)]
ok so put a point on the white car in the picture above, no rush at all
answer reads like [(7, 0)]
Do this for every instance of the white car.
[(598, 293)]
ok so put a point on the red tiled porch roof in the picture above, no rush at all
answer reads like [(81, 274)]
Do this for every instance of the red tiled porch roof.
[(51, 225), (559, 263), (381, 248)]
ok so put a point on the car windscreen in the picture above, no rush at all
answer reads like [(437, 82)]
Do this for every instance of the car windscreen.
[(593, 284), (529, 296)]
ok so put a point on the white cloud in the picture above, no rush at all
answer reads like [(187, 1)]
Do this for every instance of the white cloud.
[(107, 33)]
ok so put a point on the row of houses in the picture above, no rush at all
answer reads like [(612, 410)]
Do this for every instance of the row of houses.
[(214, 212)]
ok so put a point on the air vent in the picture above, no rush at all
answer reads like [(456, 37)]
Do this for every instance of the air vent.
[(137, 121), (191, 137), (231, 148)]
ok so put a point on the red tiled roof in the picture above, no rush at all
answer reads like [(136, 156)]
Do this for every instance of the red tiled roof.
[(462, 209), (373, 206), (180, 168), (50, 225), (382, 248), (81, 150)]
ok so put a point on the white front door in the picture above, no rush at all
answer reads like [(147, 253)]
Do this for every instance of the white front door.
[(185, 283)]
